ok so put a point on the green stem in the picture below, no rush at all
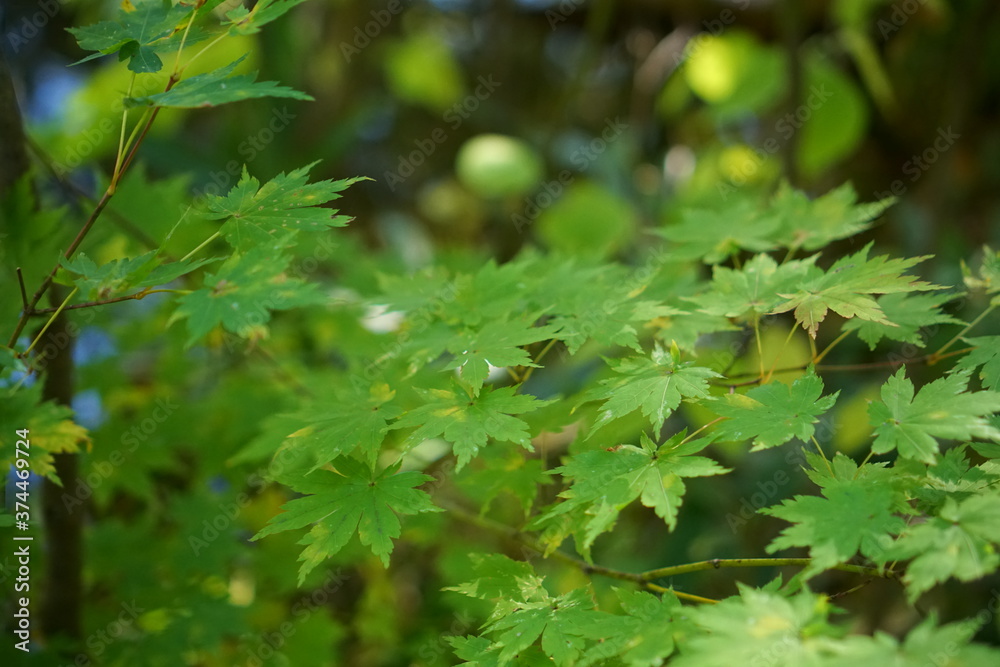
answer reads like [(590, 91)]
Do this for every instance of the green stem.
[(545, 350), (52, 319), (203, 50), (870, 365), (586, 568), (200, 246), (819, 357), (88, 225), (770, 373), (822, 455), (719, 563), (700, 429), (937, 356), (760, 347), (118, 299), (120, 155)]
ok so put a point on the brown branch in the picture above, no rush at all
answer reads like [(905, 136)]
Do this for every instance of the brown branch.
[(101, 204), (928, 359), (24, 292), (92, 304)]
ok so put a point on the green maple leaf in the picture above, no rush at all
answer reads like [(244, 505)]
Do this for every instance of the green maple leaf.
[(525, 612), (774, 413), (814, 223), (496, 577), (755, 287), (118, 275), (475, 651), (496, 343), (500, 470), (857, 512), (655, 384), (714, 235), (987, 355), (987, 279), (350, 421), (135, 35), (468, 422), (642, 637), (952, 476), (741, 630), (941, 409), (925, 640), (907, 316), (255, 213), (959, 542), (594, 302), (217, 87), (605, 481), (100, 282), (846, 289), (350, 502), (244, 292), (554, 620), (248, 22)]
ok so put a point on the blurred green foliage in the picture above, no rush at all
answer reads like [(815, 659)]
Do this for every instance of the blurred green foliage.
[(489, 128)]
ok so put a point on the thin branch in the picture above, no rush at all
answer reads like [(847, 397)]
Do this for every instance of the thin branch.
[(850, 590), (118, 299), (24, 293), (52, 319), (934, 358), (545, 350), (645, 579), (516, 535), (869, 365), (719, 563), (98, 209), (819, 357)]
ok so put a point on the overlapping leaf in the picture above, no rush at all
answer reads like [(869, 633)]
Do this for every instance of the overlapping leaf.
[(754, 288), (847, 289), (351, 501), (987, 278), (783, 631), (858, 512), (255, 213), (525, 613), (118, 275), (244, 292), (595, 303), (217, 87), (351, 421), (468, 422), (908, 317), (713, 235), (987, 355), (605, 481), (942, 409), (498, 343), (775, 413), (960, 542), (249, 22), (656, 385), (134, 34), (811, 224), (790, 219)]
